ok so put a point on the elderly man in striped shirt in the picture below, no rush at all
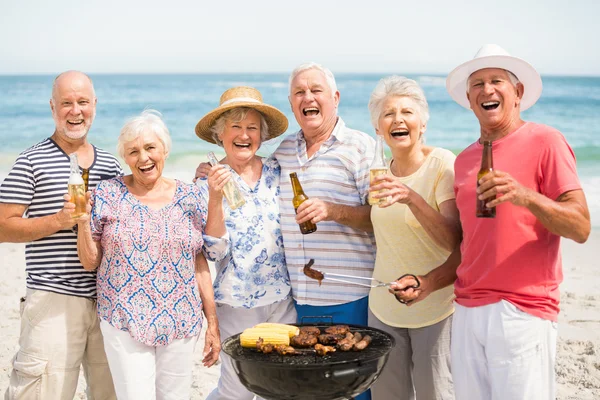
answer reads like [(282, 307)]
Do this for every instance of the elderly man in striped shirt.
[(59, 327), (332, 163)]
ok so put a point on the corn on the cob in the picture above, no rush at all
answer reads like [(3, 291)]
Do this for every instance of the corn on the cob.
[(249, 337), (291, 330)]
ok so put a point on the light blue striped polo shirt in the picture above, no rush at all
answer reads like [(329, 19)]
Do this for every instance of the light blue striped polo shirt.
[(339, 173)]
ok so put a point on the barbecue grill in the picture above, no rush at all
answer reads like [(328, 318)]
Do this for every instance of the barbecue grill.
[(335, 376)]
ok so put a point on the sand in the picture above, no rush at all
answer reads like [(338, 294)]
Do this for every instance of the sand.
[(578, 359)]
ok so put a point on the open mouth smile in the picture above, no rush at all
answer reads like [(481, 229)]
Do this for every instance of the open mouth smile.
[(147, 168), (490, 105), (399, 133), (310, 111)]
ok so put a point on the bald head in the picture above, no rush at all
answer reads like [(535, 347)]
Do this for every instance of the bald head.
[(73, 105), (67, 79)]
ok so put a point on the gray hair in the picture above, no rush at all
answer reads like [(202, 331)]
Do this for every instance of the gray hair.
[(147, 121), (512, 77), (236, 115), (312, 65), (397, 86)]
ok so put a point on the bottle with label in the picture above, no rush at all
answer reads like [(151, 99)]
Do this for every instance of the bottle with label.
[(76, 187), (378, 167), (231, 191), (487, 165), (299, 198)]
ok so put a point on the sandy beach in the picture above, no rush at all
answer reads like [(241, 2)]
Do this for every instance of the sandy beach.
[(578, 360)]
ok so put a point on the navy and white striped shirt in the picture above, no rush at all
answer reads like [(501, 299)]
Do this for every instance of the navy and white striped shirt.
[(39, 180)]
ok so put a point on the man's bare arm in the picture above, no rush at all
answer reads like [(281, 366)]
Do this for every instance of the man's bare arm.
[(16, 229)]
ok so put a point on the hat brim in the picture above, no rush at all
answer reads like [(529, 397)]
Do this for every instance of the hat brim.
[(456, 82), (276, 120)]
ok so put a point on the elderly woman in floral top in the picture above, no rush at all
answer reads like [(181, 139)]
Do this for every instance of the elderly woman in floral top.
[(146, 239), (252, 283)]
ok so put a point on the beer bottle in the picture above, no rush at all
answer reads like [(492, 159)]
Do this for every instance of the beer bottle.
[(76, 187), (378, 167), (487, 165), (299, 198), (231, 191)]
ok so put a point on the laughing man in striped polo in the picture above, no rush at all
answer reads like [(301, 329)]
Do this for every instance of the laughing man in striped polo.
[(332, 163), (59, 326)]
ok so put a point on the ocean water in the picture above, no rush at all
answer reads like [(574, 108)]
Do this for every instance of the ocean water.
[(570, 104)]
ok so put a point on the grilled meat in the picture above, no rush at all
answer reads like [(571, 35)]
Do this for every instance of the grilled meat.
[(313, 273), (264, 347), (329, 339), (323, 350), (349, 341), (363, 343), (286, 350), (311, 330), (338, 329), (303, 340)]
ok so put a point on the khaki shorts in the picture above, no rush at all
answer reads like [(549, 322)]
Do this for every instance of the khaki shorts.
[(59, 333)]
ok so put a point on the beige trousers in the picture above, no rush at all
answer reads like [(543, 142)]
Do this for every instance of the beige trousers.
[(418, 366), (59, 333)]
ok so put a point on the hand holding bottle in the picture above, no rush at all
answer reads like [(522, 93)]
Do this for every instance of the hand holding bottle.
[(230, 190), (217, 177), (304, 216), (389, 189), (377, 169), (77, 187), (487, 166), (68, 217)]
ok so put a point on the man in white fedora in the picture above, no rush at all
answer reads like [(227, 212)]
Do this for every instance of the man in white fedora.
[(509, 267)]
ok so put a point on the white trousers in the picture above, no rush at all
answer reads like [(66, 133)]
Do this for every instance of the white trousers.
[(235, 320), (147, 372), (502, 353)]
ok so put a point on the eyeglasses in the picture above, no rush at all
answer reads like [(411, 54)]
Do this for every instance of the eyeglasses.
[(85, 175)]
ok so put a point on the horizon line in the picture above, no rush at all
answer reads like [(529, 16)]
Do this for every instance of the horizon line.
[(436, 74)]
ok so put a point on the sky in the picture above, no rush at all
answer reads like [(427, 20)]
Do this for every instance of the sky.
[(379, 36)]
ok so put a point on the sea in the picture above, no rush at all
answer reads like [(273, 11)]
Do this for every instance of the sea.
[(570, 104)]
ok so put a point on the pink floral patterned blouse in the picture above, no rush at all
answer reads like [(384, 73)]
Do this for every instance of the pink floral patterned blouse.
[(146, 278)]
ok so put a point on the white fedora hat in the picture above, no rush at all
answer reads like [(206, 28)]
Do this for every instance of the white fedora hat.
[(494, 56)]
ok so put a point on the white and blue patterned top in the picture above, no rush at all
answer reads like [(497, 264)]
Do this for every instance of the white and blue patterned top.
[(253, 272)]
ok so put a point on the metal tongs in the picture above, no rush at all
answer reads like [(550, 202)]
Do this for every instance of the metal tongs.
[(319, 275)]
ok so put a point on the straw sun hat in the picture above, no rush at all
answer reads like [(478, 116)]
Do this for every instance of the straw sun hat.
[(242, 96), (494, 56)]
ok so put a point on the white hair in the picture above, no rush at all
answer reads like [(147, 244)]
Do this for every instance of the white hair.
[(312, 65), (236, 115), (147, 121), (400, 86)]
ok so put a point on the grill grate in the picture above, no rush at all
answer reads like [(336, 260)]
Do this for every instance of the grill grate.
[(380, 345)]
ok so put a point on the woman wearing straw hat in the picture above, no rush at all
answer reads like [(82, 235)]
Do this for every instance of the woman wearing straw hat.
[(252, 282)]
